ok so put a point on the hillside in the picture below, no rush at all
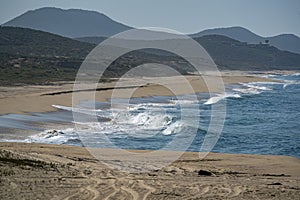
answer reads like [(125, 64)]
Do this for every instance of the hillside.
[(28, 42), (69, 23), (237, 33), (34, 57), (232, 54), (91, 40), (29, 56), (84, 24), (288, 42)]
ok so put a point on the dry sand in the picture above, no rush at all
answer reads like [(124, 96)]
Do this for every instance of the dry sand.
[(39, 99), (40, 171)]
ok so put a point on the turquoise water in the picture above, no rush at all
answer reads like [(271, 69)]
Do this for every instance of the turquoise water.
[(261, 118)]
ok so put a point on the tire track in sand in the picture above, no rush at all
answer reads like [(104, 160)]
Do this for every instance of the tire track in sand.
[(133, 193), (92, 188), (149, 188), (74, 194), (115, 190)]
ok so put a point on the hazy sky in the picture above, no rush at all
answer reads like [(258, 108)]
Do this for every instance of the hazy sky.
[(264, 17)]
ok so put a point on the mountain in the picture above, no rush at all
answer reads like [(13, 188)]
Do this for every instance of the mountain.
[(91, 40), (69, 23), (29, 56), (231, 54), (237, 33), (29, 42), (287, 42), (76, 23)]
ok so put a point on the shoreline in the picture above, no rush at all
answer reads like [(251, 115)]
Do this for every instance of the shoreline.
[(62, 172), (26, 99), (51, 171), (52, 93)]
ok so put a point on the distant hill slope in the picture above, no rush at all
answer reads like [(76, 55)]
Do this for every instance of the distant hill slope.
[(233, 54), (29, 42), (69, 23), (76, 23), (91, 40), (288, 42), (237, 33), (29, 56)]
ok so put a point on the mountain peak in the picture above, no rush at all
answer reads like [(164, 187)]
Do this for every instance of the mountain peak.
[(69, 23), (288, 42), (53, 9)]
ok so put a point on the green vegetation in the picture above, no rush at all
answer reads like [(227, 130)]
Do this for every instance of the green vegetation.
[(35, 70), (34, 57), (28, 42), (230, 54)]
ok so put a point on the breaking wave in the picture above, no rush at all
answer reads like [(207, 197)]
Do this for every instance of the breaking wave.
[(56, 137), (153, 122), (220, 97)]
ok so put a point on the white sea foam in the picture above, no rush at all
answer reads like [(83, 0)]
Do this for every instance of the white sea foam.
[(295, 74), (220, 97), (144, 119), (53, 136), (138, 120), (72, 109), (146, 106), (184, 101), (93, 112), (252, 88), (255, 85), (247, 90), (290, 82), (173, 128)]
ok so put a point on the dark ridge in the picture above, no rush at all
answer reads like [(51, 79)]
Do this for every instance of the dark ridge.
[(35, 57), (88, 90)]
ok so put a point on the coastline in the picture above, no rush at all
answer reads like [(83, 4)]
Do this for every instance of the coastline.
[(68, 172), (26, 99), (49, 171)]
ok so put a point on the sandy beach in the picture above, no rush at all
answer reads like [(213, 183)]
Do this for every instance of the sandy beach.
[(157, 100), (43, 171), (40, 171), (40, 98)]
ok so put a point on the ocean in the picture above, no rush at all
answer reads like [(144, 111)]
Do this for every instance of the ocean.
[(260, 118)]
